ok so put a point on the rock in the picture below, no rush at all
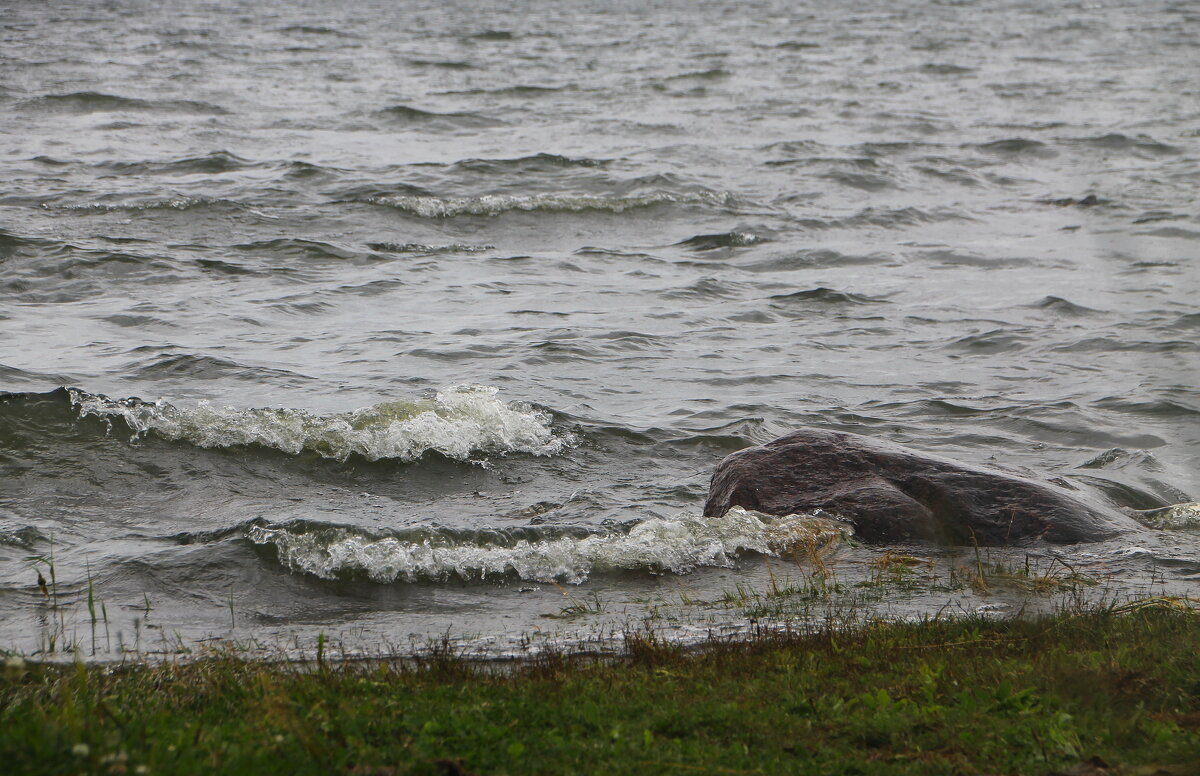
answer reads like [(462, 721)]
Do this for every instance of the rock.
[(892, 494)]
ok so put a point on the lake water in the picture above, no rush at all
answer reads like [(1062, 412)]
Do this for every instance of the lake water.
[(439, 314)]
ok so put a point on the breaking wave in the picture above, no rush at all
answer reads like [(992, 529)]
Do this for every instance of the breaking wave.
[(1179, 517), (460, 423), (708, 242), (173, 203), (495, 204), (677, 545)]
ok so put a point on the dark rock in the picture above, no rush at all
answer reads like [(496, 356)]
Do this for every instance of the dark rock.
[(890, 493)]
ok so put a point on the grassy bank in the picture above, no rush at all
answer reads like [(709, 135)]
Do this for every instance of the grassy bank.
[(944, 697)]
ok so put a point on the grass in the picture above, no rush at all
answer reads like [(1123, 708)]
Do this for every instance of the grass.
[(815, 687), (943, 696), (817, 592), (577, 607)]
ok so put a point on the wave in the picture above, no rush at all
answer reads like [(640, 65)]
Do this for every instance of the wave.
[(180, 365), (692, 84), (174, 203), (495, 204), (706, 288), (1015, 146), (1185, 321), (525, 164), (1062, 306), (46, 271), (713, 74), (859, 180), (12, 245), (306, 29), (936, 68), (1179, 517), (298, 249), (449, 64), (952, 258), (677, 545), (813, 258), (1111, 344), (26, 537), (827, 296), (14, 374), (408, 116), (214, 163), (1115, 141), (1090, 200), (894, 217), (516, 90), (708, 242), (459, 423), (391, 247), (1119, 458), (1160, 408), (491, 35), (1177, 232), (991, 342), (97, 102)]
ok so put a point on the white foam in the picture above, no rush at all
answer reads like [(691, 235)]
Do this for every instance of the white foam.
[(1132, 552), (177, 203), (459, 422), (678, 545), (744, 239), (1180, 517), (495, 204)]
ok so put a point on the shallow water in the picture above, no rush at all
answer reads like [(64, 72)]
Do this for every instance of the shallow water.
[(437, 314)]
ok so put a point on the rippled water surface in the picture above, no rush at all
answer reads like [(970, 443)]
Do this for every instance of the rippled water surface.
[(398, 319)]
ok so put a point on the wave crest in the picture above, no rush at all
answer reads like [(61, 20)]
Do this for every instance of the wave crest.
[(1179, 517), (459, 423), (676, 545), (495, 204)]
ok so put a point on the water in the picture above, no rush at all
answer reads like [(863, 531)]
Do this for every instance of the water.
[(392, 320)]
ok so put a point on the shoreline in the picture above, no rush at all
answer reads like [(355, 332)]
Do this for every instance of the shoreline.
[(803, 590), (1030, 695)]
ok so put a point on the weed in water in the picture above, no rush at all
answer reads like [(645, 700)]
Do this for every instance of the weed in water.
[(576, 607)]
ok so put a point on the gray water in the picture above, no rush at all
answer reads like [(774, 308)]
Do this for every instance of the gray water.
[(390, 320)]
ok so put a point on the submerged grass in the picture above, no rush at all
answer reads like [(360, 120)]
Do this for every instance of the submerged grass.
[(1120, 684)]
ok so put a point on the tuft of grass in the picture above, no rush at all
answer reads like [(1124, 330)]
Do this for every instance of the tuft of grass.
[(576, 607), (899, 571)]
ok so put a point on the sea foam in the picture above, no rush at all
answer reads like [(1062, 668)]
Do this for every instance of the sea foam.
[(495, 204), (461, 423), (1179, 517), (678, 545)]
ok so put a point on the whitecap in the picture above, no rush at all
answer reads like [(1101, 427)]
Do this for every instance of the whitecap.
[(1179, 517), (678, 545), (495, 204), (460, 422)]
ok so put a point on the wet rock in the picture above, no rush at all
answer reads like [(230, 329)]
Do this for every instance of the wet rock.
[(892, 494)]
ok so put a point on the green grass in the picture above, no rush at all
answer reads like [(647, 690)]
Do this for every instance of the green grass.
[(965, 696)]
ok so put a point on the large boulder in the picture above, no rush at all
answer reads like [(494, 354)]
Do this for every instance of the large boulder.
[(893, 494)]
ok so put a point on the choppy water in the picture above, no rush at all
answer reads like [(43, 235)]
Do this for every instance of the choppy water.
[(431, 305)]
